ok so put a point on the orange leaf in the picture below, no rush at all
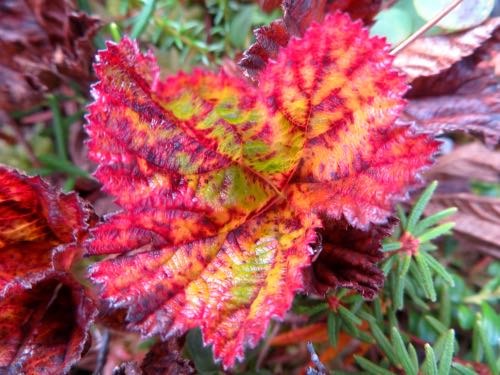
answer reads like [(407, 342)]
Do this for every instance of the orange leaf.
[(316, 333), (222, 185)]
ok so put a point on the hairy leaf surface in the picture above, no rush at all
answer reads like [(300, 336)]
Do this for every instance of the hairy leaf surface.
[(222, 185), (44, 313), (43, 329), (341, 90), (349, 258), (39, 227)]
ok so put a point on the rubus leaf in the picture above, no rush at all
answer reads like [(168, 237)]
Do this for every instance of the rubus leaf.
[(39, 228), (216, 156), (352, 149), (298, 15), (253, 270), (44, 328), (44, 313), (348, 259), (210, 172)]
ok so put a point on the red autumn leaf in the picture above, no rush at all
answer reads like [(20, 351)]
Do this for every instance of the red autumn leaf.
[(210, 172), (297, 17), (39, 227), (315, 333), (355, 163), (44, 314), (44, 328)]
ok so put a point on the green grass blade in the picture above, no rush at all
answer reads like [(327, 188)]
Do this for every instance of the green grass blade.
[(349, 316), (402, 216), (477, 353), (391, 246), (58, 127), (115, 32), (59, 165), (387, 265), (445, 306), (436, 324), (413, 357), (411, 290), (143, 18)]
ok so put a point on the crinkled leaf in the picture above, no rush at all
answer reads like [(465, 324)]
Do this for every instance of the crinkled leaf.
[(187, 158), (44, 328), (348, 259), (44, 314), (215, 178), (430, 55), (253, 270), (43, 42), (355, 163), (297, 17), (39, 227)]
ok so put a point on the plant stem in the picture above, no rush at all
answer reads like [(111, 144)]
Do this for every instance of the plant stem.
[(431, 23)]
